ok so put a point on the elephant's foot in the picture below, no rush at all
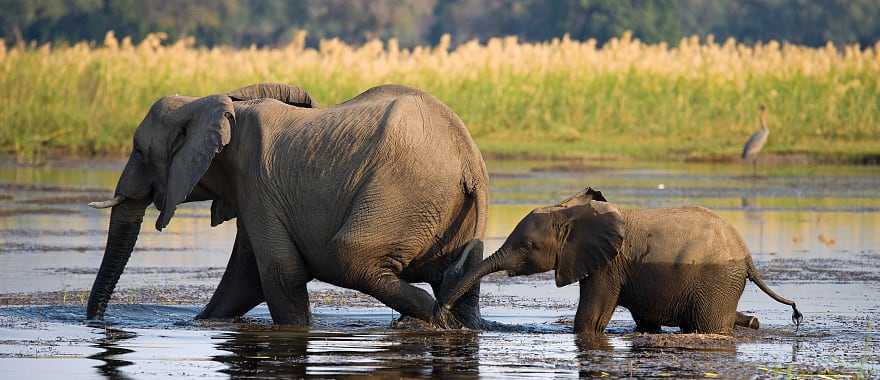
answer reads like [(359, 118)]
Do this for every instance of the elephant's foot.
[(749, 321), (444, 318), (292, 310), (413, 324)]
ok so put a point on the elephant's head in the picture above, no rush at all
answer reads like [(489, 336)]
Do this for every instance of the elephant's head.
[(577, 237), (174, 147)]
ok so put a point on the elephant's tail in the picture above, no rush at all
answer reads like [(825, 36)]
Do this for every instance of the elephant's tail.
[(475, 183), (755, 277), (481, 209)]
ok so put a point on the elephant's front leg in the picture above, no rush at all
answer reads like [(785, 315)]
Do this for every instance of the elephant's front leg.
[(239, 290), (283, 273), (598, 298)]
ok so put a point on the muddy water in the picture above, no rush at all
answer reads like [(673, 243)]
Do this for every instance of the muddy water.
[(814, 231)]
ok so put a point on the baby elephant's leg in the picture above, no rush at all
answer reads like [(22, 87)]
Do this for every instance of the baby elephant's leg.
[(598, 299), (749, 321), (645, 326)]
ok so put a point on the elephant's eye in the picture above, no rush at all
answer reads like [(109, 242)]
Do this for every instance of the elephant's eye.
[(531, 245), (137, 152)]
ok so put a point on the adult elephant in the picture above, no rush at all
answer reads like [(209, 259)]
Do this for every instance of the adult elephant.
[(373, 194)]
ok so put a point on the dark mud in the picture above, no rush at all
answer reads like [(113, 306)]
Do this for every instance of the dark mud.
[(812, 230)]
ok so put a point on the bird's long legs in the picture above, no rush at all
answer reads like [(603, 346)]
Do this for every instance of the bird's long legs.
[(755, 167)]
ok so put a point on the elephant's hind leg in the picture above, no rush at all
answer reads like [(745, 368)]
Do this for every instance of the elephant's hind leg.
[(746, 320), (383, 284), (377, 276), (399, 295), (714, 300), (718, 317), (239, 290), (644, 326), (388, 226)]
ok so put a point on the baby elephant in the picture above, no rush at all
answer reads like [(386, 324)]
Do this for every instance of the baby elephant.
[(682, 267)]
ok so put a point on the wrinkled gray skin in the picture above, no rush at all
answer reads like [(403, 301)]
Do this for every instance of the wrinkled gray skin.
[(372, 194), (679, 267)]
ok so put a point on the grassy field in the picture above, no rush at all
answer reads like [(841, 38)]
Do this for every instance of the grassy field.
[(627, 99)]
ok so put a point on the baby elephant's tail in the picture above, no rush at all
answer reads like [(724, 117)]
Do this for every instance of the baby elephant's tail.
[(755, 277)]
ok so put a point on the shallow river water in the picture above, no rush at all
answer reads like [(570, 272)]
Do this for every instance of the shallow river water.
[(814, 233)]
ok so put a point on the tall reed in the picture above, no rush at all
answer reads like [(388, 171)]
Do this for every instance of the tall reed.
[(559, 97)]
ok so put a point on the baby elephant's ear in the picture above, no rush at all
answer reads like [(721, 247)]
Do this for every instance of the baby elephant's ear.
[(583, 197), (594, 239)]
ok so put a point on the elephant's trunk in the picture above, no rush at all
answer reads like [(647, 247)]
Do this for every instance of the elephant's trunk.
[(125, 224), (497, 262)]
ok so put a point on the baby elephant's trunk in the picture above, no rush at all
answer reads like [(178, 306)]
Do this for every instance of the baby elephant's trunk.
[(755, 277), (491, 264)]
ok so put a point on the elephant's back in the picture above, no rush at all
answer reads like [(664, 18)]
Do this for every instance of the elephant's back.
[(400, 151), (687, 235), (691, 261), (417, 120), (393, 119)]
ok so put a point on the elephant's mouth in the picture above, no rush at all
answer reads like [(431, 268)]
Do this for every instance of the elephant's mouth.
[(158, 200), (156, 197)]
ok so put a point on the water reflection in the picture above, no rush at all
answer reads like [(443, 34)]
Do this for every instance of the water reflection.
[(263, 354), (389, 354), (112, 347)]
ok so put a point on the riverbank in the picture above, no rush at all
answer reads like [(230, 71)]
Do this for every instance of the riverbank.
[(635, 149)]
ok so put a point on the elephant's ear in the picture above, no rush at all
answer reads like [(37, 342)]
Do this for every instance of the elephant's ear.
[(292, 95), (593, 237), (583, 197), (206, 127)]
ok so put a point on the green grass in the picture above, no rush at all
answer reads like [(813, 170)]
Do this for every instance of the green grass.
[(87, 101)]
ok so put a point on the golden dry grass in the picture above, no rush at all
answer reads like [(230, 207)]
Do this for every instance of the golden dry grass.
[(561, 97)]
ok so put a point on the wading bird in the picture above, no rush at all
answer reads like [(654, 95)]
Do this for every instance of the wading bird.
[(757, 141)]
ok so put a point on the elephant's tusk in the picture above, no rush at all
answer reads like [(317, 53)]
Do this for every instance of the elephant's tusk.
[(108, 203)]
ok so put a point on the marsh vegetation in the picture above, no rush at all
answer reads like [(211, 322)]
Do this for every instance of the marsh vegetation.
[(696, 99)]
